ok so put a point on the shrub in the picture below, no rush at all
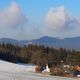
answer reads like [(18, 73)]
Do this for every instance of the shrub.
[(57, 71)]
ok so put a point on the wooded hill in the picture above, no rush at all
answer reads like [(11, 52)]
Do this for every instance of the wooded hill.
[(38, 54)]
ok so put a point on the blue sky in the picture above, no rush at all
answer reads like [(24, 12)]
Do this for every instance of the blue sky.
[(42, 6), (37, 13), (38, 8)]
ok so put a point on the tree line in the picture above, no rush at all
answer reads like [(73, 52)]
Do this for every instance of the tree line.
[(38, 54)]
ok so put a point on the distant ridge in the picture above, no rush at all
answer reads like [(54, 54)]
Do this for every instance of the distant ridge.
[(71, 43), (13, 41)]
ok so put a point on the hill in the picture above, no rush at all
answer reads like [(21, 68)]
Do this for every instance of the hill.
[(10, 71), (71, 43)]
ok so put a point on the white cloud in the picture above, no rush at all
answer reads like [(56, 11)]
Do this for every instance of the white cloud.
[(60, 19), (12, 16), (60, 23)]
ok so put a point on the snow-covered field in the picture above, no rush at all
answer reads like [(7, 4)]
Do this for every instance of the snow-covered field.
[(10, 71)]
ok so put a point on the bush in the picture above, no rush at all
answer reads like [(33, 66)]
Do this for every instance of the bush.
[(38, 69), (57, 71)]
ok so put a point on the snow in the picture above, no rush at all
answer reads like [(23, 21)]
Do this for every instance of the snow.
[(10, 67), (46, 70), (78, 75), (10, 71)]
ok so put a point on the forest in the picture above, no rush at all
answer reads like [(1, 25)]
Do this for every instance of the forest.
[(38, 54)]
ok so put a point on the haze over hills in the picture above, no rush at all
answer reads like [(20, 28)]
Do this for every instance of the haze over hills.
[(71, 43), (13, 41)]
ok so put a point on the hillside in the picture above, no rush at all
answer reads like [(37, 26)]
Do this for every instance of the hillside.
[(10, 71), (71, 43)]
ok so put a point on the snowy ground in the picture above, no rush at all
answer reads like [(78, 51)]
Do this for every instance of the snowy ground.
[(10, 71)]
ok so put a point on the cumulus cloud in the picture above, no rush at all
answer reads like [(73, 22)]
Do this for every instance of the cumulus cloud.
[(12, 16), (60, 19)]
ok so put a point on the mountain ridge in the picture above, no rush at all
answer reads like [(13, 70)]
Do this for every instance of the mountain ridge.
[(71, 43)]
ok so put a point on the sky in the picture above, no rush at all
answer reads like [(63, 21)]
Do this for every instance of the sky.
[(31, 19)]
